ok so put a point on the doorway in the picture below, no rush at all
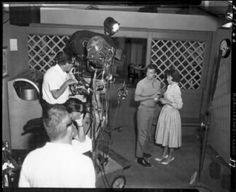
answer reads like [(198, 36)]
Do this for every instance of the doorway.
[(131, 52)]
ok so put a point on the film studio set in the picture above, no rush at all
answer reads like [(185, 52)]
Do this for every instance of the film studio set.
[(118, 94)]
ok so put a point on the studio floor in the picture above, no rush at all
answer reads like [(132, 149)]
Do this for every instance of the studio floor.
[(179, 174), (176, 175)]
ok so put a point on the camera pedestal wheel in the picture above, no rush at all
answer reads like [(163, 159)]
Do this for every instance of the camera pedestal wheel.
[(118, 182)]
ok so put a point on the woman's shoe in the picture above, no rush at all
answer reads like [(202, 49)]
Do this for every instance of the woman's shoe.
[(167, 161), (162, 158)]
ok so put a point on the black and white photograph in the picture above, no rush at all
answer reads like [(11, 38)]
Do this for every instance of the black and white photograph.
[(118, 95)]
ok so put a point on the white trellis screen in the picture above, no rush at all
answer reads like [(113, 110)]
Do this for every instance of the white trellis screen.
[(42, 50), (186, 56)]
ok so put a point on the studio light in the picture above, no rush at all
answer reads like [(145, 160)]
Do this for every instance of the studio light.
[(227, 25), (229, 20), (111, 26)]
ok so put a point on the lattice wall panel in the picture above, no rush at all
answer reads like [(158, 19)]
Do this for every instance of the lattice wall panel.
[(186, 56), (42, 50)]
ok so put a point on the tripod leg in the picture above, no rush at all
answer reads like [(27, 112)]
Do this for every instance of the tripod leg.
[(203, 152)]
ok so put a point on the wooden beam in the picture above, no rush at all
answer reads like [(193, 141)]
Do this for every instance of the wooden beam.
[(70, 16)]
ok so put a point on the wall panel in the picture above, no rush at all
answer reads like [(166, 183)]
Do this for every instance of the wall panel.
[(219, 133)]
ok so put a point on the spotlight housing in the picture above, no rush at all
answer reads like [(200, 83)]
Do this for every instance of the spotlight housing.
[(111, 26)]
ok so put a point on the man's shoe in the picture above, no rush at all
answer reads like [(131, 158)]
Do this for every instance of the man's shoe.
[(147, 155), (143, 162)]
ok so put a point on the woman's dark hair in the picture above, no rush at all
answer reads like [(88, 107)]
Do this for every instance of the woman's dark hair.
[(75, 105), (174, 74)]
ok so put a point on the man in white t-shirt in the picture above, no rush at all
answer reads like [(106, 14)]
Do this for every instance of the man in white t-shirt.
[(56, 81), (57, 164)]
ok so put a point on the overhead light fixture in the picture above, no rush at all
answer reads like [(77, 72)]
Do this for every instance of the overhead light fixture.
[(6, 5), (227, 25), (111, 26)]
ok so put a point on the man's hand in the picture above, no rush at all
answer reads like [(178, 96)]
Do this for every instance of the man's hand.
[(71, 81), (156, 98), (71, 76)]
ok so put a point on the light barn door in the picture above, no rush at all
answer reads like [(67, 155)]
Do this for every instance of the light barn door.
[(188, 53)]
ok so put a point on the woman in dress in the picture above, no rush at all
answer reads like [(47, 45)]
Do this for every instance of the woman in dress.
[(168, 130)]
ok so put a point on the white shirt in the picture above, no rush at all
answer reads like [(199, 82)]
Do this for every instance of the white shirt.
[(148, 87), (82, 147), (57, 165), (173, 93), (52, 80)]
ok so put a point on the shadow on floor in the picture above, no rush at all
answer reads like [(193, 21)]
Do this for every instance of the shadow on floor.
[(178, 174)]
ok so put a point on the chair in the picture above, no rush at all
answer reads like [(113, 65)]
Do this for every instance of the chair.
[(132, 75)]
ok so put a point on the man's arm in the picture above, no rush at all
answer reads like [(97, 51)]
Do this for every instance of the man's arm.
[(81, 136), (23, 181), (141, 97), (58, 92), (88, 174)]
